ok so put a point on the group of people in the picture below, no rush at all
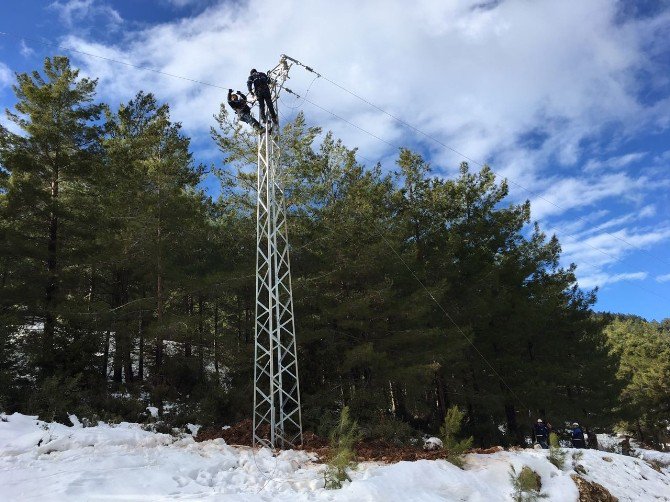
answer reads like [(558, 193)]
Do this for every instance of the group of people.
[(542, 431), (258, 84)]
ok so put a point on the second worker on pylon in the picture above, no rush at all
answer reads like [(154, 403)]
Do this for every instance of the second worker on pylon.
[(258, 84)]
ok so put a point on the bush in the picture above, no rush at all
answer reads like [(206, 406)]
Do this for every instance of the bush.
[(556, 454), (342, 455), (393, 431), (527, 484), (57, 397), (449, 431)]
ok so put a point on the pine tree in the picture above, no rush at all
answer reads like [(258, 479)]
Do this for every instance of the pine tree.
[(49, 200)]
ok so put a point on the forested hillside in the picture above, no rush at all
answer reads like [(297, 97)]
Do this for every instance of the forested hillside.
[(124, 284)]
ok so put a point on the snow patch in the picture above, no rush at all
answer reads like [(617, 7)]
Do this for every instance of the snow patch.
[(50, 461)]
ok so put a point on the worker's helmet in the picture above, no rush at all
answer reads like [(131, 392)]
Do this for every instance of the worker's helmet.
[(575, 424), (234, 96), (253, 70), (539, 420)]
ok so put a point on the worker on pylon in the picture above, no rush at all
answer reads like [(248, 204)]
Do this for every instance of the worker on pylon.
[(260, 83), (238, 102)]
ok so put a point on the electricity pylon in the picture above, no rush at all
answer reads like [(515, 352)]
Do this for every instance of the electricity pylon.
[(277, 415)]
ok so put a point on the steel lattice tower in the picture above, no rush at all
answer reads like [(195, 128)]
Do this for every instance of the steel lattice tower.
[(277, 414)]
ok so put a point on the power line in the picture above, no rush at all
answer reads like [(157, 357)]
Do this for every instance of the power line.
[(565, 232), (112, 60), (448, 316), (444, 145), (318, 75), (394, 117), (305, 99), (154, 70)]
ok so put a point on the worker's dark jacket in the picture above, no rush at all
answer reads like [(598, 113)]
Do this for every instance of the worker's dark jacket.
[(259, 81), (541, 430), (240, 106)]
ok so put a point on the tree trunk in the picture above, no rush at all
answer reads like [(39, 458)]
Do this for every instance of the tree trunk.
[(442, 400), (140, 333), (105, 358), (187, 342), (117, 361), (201, 341), (512, 425), (52, 282), (216, 341)]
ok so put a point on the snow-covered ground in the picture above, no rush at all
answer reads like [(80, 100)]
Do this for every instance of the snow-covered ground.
[(49, 461)]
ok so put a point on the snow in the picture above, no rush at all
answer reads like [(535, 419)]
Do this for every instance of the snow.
[(50, 461), (193, 429), (432, 443), (153, 411)]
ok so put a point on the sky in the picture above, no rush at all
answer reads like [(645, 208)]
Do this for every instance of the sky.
[(569, 101)]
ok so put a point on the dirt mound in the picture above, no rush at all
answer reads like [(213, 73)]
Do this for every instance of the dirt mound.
[(590, 491), (241, 433), (385, 452)]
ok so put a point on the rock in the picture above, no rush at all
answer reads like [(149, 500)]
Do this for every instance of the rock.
[(590, 491)]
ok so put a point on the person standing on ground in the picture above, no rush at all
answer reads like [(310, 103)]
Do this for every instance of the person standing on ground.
[(541, 434), (577, 436), (238, 102), (258, 84)]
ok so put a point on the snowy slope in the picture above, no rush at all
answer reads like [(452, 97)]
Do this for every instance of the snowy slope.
[(40, 461)]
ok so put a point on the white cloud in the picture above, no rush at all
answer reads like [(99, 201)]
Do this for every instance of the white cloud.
[(6, 75), (476, 79), (614, 162), (183, 3), (562, 194), (663, 278), (25, 50), (496, 83), (602, 279), (73, 11), (607, 248)]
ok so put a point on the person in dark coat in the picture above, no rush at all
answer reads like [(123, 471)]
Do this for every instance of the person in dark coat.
[(578, 436), (258, 84), (541, 434), (591, 439), (238, 102)]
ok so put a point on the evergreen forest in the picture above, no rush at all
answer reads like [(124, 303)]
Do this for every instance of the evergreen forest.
[(124, 283)]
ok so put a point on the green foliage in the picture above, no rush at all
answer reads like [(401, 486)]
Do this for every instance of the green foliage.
[(118, 270), (394, 431), (342, 455), (556, 453), (643, 350), (57, 397), (450, 432), (527, 484), (576, 457)]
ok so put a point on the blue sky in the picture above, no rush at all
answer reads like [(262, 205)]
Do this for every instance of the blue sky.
[(569, 100)]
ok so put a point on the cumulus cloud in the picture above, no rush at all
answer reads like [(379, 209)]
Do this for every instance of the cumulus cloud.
[(495, 81), (663, 278), (479, 79)]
